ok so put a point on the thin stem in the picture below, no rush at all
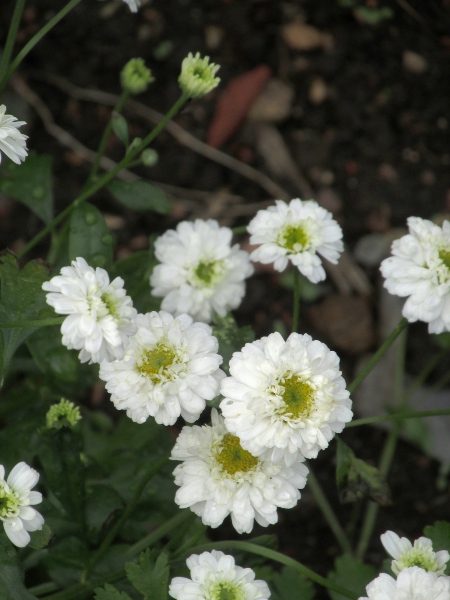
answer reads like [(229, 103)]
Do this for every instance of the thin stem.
[(159, 533), (10, 40), (328, 512), (126, 513), (378, 354), (296, 307), (105, 179), (278, 557), (399, 416), (28, 324), (39, 35), (43, 588), (242, 229), (422, 376)]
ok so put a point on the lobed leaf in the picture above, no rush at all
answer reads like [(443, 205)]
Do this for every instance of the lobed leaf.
[(141, 196)]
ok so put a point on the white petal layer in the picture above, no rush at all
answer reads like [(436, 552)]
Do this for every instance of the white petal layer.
[(411, 584)]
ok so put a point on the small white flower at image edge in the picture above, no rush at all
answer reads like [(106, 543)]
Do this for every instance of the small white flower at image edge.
[(16, 501), (215, 576), (297, 232), (412, 583), (421, 554), (12, 141)]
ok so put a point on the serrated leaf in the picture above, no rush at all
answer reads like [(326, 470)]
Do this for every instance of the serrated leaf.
[(439, 534), (352, 574), (11, 577), (356, 479), (40, 539), (31, 184), (150, 576), (21, 300), (89, 237), (51, 356), (109, 592), (141, 196), (231, 338), (289, 584), (120, 128)]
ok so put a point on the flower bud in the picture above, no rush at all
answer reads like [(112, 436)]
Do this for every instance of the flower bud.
[(197, 77), (135, 76), (63, 414)]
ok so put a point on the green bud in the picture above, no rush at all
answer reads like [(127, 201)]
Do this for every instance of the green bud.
[(135, 76), (197, 77), (149, 157), (63, 414)]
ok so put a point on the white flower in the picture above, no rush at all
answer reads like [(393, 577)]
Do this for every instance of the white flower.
[(419, 555), (216, 577), (101, 316), (16, 499), (12, 142), (200, 272), (411, 584), (197, 77), (420, 269), (218, 478), (171, 367), (298, 232), (285, 398), (133, 4)]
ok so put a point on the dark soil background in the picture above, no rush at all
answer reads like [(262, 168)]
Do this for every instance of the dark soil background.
[(361, 110)]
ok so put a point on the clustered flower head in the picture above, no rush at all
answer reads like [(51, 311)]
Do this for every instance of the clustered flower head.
[(297, 232), (12, 142), (197, 77), (215, 576), (16, 501), (217, 478), (135, 76), (100, 314), (200, 272), (170, 368), (419, 269), (421, 554)]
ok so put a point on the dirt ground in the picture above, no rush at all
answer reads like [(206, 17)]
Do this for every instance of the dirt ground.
[(352, 113)]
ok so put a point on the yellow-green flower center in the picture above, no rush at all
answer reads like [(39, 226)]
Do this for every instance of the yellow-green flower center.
[(294, 238), (233, 458), (298, 397), (111, 304), (226, 590), (444, 255), (9, 502), (419, 557), (208, 273), (155, 362)]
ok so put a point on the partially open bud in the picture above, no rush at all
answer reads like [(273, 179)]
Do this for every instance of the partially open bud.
[(135, 76), (63, 414), (197, 77)]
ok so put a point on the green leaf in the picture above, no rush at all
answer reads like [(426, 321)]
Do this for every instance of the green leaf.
[(120, 128), (289, 584), (40, 539), (231, 337), (21, 300), (135, 270), (11, 577), (356, 479), (89, 237), (352, 574), (101, 504), (150, 576), (442, 340), (51, 356), (31, 184), (109, 592), (439, 534), (141, 196)]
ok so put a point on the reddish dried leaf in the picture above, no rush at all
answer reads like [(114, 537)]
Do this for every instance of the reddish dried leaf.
[(234, 104)]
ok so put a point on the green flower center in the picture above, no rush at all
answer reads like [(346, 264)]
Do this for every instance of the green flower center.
[(419, 557), (155, 362), (111, 305), (9, 502), (298, 397), (234, 459), (226, 591), (208, 272), (444, 255), (294, 238)]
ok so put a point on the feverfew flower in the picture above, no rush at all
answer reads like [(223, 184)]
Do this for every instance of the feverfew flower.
[(197, 77), (218, 478), (101, 316), (411, 584), (200, 272), (216, 577), (420, 269), (420, 555), (296, 232), (133, 4), (16, 499), (12, 142), (285, 397), (171, 367)]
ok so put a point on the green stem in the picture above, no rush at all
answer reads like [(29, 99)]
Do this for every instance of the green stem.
[(399, 416), (296, 307), (278, 557), (39, 35), (105, 179), (28, 324), (126, 513), (242, 229), (378, 354), (10, 40), (43, 588), (328, 512), (162, 531)]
